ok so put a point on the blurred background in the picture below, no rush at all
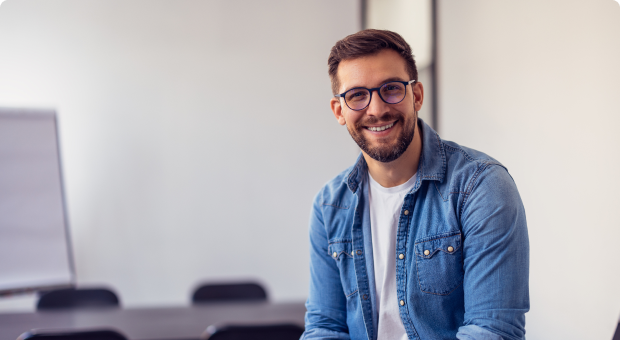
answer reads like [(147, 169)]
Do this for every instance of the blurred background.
[(195, 134)]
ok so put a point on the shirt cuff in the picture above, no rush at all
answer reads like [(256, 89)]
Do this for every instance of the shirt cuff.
[(473, 332), (321, 333)]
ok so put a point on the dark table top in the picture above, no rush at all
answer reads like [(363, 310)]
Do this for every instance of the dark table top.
[(155, 323)]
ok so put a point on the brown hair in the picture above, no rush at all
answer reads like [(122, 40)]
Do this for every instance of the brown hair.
[(368, 42)]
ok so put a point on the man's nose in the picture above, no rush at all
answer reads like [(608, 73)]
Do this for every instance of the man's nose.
[(377, 106)]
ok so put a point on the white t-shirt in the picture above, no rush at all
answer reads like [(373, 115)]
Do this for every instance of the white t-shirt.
[(385, 206)]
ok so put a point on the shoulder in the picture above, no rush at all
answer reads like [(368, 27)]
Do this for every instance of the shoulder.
[(453, 167), (482, 184), (335, 192), (465, 167), (334, 207), (461, 156)]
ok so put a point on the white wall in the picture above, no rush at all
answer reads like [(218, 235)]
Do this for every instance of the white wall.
[(536, 84), (194, 134), (413, 20)]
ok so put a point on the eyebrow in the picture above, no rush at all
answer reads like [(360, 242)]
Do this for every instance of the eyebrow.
[(382, 82)]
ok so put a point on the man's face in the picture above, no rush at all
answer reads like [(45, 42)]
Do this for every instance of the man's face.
[(383, 131)]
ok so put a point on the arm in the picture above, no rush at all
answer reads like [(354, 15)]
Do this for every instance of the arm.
[(496, 258), (326, 316)]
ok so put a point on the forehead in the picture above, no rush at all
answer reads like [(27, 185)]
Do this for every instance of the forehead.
[(372, 70)]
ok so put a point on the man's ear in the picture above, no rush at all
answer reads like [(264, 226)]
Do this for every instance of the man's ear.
[(418, 93), (337, 110)]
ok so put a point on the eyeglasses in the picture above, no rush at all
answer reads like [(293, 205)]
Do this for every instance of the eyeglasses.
[(359, 98)]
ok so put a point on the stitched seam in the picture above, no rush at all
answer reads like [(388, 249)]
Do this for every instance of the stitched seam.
[(474, 178), (335, 206), (470, 187), (336, 241), (443, 155), (344, 242), (340, 254), (345, 251), (353, 292), (443, 198), (465, 154), (448, 293), (440, 176), (354, 172), (431, 177), (404, 287), (363, 273), (435, 251), (349, 179), (438, 238)]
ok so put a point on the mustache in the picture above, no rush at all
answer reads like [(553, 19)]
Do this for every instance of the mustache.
[(372, 120)]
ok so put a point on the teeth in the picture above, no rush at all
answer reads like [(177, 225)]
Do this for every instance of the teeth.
[(381, 128)]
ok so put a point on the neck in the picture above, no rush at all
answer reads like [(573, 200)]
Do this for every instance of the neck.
[(399, 170)]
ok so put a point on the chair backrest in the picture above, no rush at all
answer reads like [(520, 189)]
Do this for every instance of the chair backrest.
[(99, 334), (77, 298), (245, 291), (617, 334), (262, 332)]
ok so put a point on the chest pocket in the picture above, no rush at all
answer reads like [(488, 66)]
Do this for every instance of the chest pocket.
[(341, 252), (439, 260)]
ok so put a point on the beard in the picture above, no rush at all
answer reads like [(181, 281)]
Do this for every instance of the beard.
[(385, 152)]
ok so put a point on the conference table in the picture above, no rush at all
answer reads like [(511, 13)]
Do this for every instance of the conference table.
[(155, 323)]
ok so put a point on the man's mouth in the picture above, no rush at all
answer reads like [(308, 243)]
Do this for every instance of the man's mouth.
[(380, 128)]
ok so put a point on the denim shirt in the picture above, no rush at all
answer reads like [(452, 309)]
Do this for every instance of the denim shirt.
[(463, 238)]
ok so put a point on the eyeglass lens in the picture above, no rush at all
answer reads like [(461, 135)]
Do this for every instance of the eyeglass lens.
[(391, 93)]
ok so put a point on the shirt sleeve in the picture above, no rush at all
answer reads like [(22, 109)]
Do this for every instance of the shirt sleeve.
[(496, 258), (473, 332), (326, 315)]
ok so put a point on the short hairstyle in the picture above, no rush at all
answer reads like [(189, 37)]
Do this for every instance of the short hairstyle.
[(365, 43)]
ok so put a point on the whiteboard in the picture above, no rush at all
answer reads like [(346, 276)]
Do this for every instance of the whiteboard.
[(34, 247)]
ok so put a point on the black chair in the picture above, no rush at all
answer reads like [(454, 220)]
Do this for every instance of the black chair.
[(77, 298), (260, 332), (246, 291), (101, 334)]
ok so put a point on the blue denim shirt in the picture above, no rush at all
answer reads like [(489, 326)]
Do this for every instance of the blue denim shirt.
[(463, 234)]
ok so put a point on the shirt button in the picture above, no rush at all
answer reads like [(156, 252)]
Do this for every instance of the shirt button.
[(352, 252), (401, 256), (365, 297), (359, 252), (335, 254), (402, 302), (450, 249), (426, 252), (406, 212)]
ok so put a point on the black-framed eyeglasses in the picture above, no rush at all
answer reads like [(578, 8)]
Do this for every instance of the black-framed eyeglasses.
[(359, 98)]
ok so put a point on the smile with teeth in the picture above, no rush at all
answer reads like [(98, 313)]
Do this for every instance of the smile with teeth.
[(380, 128)]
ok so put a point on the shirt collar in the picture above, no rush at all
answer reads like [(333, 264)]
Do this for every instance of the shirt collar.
[(432, 165)]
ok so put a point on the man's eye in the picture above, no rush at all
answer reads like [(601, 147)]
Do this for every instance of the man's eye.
[(357, 95), (393, 87)]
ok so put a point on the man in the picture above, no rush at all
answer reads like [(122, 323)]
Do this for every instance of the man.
[(421, 238)]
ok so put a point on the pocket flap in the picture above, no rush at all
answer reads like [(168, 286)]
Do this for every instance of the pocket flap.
[(339, 248), (447, 243)]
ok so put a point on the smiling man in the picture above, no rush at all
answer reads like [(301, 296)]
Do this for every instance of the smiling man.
[(421, 238)]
